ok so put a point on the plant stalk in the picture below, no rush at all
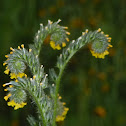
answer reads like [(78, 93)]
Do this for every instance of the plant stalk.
[(57, 86)]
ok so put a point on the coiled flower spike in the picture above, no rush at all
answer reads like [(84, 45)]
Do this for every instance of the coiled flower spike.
[(59, 38), (17, 96), (99, 47), (61, 111)]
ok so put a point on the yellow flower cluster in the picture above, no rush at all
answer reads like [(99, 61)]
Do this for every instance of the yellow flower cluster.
[(62, 116), (102, 55), (99, 55), (16, 105), (58, 47), (13, 76)]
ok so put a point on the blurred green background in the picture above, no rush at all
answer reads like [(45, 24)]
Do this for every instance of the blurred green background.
[(94, 89)]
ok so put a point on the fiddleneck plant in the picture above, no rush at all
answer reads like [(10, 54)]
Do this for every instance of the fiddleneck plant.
[(49, 106)]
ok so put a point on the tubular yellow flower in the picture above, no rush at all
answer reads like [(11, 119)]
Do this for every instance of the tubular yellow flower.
[(5, 89), (65, 27), (13, 76), (61, 117), (107, 35), (12, 49), (58, 47), (22, 45), (10, 86), (52, 44), (4, 85), (6, 56), (11, 52), (16, 80), (25, 75), (4, 63), (68, 33), (6, 71), (19, 47), (6, 97), (34, 77), (63, 44)]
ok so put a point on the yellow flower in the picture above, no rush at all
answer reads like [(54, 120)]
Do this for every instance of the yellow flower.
[(63, 44), (4, 63), (20, 75), (59, 118), (21, 105), (22, 45), (10, 86), (15, 76), (4, 85), (58, 47), (19, 47), (5, 89), (16, 80), (6, 56), (6, 71), (52, 44), (16, 105), (68, 33), (62, 116), (6, 97), (11, 103)]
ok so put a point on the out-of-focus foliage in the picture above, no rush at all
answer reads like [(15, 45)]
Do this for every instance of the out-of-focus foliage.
[(94, 89)]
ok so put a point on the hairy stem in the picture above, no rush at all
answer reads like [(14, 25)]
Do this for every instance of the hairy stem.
[(57, 86), (44, 122)]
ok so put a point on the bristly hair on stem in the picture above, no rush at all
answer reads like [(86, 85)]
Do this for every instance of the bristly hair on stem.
[(49, 106)]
